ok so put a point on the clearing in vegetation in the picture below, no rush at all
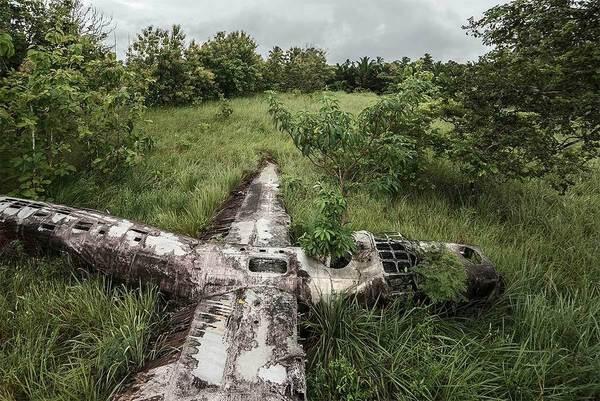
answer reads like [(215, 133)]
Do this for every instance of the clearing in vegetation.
[(542, 340)]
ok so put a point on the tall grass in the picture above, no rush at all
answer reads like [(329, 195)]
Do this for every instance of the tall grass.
[(540, 342), (64, 337), (409, 353), (199, 159)]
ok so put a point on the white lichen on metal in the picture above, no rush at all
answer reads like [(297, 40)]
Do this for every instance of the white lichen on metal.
[(167, 244), (118, 230)]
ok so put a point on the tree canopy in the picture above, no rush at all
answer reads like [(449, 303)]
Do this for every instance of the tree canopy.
[(532, 105)]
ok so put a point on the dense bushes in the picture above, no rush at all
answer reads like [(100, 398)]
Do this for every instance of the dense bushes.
[(229, 65), (28, 21), (233, 59), (70, 105), (303, 69), (174, 77), (226, 65)]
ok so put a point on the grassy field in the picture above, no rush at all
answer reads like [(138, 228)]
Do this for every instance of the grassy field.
[(540, 342)]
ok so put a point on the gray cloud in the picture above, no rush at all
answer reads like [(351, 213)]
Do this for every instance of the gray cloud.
[(345, 28)]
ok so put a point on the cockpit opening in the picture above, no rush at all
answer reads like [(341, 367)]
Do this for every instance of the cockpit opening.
[(266, 265)]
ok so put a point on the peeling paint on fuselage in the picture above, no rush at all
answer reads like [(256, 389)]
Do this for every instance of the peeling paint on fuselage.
[(118, 230), (166, 244)]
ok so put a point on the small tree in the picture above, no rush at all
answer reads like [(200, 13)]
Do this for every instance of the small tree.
[(383, 144), (158, 54), (329, 235), (306, 69), (274, 69)]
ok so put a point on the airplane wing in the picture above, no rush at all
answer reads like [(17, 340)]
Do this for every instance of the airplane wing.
[(240, 346), (261, 219)]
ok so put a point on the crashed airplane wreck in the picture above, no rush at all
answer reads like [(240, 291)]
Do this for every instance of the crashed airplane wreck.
[(246, 280)]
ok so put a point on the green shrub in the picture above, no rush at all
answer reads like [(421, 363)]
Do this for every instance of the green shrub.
[(382, 146), (338, 380), (225, 110), (442, 276)]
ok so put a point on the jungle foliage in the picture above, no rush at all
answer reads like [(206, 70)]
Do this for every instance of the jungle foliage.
[(224, 66), (301, 69), (329, 236), (175, 75)]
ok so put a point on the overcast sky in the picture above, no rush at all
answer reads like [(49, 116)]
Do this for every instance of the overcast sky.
[(344, 28)]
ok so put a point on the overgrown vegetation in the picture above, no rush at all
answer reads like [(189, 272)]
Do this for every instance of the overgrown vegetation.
[(518, 123), (383, 146), (532, 106), (70, 106), (329, 236), (300, 69), (174, 74), (541, 340), (441, 275)]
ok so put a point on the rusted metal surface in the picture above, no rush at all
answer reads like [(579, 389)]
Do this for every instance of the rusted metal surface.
[(241, 343)]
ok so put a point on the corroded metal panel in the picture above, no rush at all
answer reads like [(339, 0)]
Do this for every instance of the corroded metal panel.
[(241, 344)]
